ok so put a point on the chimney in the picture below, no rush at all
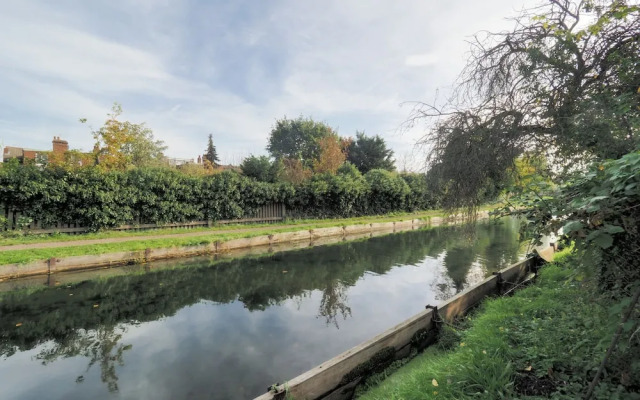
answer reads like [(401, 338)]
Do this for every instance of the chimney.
[(60, 146)]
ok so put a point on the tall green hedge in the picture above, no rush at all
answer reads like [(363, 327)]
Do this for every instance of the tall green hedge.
[(100, 200)]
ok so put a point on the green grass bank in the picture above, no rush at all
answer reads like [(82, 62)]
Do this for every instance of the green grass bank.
[(546, 341), (8, 238), (141, 241)]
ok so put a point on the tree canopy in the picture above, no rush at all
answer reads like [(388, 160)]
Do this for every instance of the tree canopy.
[(563, 83), (297, 139), (331, 156), (122, 144), (370, 152), (261, 168)]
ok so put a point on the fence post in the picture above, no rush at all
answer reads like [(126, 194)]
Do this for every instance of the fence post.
[(10, 220)]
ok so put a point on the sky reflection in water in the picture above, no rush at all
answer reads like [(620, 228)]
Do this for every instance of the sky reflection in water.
[(228, 329)]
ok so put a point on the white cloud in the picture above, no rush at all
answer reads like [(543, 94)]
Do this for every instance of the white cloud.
[(421, 60), (348, 63)]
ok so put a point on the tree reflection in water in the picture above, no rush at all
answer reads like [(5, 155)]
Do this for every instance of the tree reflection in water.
[(99, 346), (476, 251), (65, 316), (334, 301)]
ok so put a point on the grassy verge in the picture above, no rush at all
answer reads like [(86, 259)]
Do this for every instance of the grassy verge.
[(62, 237), (544, 342), (29, 255)]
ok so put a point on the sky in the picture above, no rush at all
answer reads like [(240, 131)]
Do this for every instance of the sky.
[(190, 68)]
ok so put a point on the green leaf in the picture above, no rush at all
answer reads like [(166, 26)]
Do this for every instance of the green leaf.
[(572, 226), (593, 208), (613, 229), (597, 198), (604, 240)]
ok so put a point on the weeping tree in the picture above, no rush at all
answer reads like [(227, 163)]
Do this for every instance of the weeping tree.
[(563, 84)]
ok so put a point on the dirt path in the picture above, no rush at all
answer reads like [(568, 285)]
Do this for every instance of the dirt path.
[(87, 242)]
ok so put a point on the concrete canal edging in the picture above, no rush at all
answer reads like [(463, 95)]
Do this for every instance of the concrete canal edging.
[(72, 263), (337, 378)]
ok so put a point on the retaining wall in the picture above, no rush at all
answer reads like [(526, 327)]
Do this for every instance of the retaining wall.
[(71, 263), (337, 378)]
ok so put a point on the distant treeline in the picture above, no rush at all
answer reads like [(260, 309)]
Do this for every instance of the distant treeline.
[(104, 199)]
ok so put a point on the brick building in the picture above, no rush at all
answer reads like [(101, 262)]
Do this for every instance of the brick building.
[(23, 154)]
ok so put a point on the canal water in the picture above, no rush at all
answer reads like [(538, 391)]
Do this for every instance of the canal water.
[(227, 329)]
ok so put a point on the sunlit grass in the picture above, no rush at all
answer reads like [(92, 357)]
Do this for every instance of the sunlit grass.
[(553, 327), (30, 255), (209, 235), (64, 237), (7, 239)]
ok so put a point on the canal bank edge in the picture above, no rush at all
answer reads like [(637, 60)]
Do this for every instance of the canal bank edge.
[(73, 263), (337, 378)]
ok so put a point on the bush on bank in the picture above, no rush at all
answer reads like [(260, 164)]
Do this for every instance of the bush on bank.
[(98, 200)]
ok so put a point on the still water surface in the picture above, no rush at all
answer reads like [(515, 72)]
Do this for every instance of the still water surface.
[(228, 329)]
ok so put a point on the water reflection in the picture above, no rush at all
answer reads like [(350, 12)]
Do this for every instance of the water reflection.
[(334, 302), (357, 289), (99, 346)]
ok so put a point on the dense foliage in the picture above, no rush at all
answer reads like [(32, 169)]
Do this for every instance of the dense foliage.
[(297, 139), (120, 145), (302, 147), (599, 213), (368, 153), (563, 83), (97, 199), (549, 114)]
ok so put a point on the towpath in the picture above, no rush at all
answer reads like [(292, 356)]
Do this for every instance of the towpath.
[(88, 242)]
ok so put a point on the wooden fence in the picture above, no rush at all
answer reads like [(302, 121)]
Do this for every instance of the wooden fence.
[(267, 213)]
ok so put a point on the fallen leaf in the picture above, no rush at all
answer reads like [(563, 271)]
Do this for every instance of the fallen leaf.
[(434, 383), (95, 306), (528, 368), (19, 324)]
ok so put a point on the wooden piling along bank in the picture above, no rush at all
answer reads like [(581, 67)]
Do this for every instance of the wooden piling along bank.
[(337, 378), (53, 265)]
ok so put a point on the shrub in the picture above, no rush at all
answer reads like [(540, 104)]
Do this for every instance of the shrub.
[(96, 199), (599, 214), (388, 192)]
